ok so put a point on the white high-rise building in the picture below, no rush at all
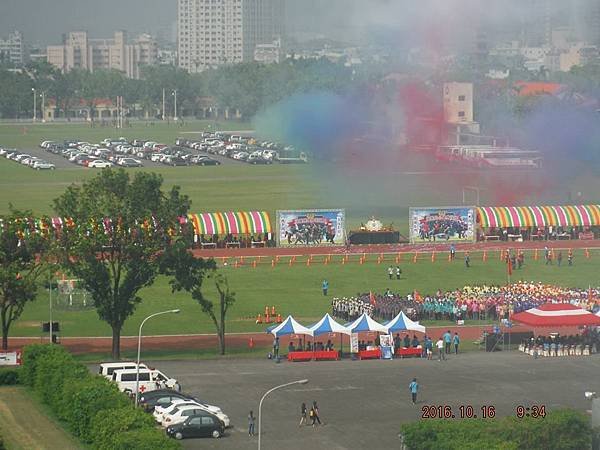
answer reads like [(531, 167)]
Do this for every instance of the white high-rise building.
[(12, 50), (216, 32)]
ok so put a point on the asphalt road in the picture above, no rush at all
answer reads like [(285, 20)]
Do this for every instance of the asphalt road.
[(362, 403)]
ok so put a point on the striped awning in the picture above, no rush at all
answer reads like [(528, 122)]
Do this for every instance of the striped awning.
[(245, 222), (538, 216)]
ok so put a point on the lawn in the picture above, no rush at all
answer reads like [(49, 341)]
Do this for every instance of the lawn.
[(25, 425), (297, 290)]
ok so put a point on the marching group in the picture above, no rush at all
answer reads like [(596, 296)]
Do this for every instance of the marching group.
[(471, 302)]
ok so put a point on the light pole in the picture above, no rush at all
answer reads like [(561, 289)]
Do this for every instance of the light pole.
[(163, 106), (137, 372), (263, 398), (43, 95), (34, 104), (174, 93), (595, 407)]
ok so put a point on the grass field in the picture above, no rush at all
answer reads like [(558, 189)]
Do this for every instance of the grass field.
[(297, 290), (25, 425)]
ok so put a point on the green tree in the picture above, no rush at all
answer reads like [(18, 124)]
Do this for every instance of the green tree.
[(21, 265), (187, 273), (122, 227)]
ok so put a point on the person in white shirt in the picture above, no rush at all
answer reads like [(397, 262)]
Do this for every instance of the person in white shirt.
[(440, 346)]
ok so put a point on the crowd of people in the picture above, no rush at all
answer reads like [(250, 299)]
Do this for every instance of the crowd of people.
[(471, 302), (228, 240)]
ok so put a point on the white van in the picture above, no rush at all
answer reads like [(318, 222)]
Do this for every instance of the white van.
[(149, 380), (107, 369)]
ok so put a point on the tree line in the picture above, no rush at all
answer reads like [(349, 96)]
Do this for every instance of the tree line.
[(246, 87)]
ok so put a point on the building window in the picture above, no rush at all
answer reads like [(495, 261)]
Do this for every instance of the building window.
[(461, 114), (461, 98)]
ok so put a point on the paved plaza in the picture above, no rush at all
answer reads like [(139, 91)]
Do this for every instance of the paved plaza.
[(362, 403)]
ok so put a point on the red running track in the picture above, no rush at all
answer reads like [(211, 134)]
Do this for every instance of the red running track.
[(392, 248)]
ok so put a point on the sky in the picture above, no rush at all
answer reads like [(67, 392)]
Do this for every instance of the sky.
[(45, 20)]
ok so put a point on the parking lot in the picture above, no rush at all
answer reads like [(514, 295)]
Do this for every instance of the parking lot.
[(362, 403)]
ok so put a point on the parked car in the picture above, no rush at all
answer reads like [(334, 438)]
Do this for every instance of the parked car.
[(201, 425), (129, 162), (99, 164), (204, 161), (43, 165), (257, 158), (107, 369), (174, 161), (180, 413), (149, 380), (161, 397)]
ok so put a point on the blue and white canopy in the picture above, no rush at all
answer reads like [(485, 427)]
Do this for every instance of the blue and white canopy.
[(403, 323), (289, 326), (328, 325), (365, 323)]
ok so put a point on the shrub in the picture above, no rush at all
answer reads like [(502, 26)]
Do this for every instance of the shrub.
[(92, 407), (9, 376), (559, 430), (144, 440), (109, 425)]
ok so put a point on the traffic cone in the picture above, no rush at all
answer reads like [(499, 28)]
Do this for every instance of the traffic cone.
[(254, 264), (266, 311), (267, 319), (397, 258), (433, 256), (272, 310), (535, 254), (272, 263), (484, 255), (291, 262), (343, 261), (308, 262), (259, 319), (587, 253), (361, 261), (326, 261), (251, 342), (415, 257), (279, 320)]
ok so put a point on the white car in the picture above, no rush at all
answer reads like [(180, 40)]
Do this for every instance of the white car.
[(161, 411), (43, 165), (99, 164), (180, 414), (156, 157)]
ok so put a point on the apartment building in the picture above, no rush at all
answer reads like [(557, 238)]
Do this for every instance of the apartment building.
[(12, 49)]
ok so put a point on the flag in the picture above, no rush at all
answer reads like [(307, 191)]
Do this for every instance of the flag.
[(509, 266), (372, 299)]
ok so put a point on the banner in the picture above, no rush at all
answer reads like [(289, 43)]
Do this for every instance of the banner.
[(354, 343), (10, 358), (442, 225), (311, 227)]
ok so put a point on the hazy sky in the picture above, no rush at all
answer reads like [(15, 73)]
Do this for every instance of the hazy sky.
[(45, 20)]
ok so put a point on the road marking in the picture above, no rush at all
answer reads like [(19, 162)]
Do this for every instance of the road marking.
[(335, 388)]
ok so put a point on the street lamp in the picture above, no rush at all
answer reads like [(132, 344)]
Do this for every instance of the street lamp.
[(174, 94), (34, 104), (263, 398), (595, 407), (137, 372), (43, 95)]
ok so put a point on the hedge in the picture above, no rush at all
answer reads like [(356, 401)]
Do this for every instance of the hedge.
[(559, 430), (9, 376), (92, 407)]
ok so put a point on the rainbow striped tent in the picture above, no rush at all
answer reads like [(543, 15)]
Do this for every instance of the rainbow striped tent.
[(231, 222), (538, 216)]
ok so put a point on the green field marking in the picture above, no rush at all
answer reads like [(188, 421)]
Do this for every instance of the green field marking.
[(296, 290), (25, 425)]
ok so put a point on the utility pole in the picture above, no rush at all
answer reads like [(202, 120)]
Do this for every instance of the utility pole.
[(163, 105), (34, 104), (43, 107), (175, 105)]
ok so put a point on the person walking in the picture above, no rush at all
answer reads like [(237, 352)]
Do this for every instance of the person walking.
[(325, 286), (456, 341), (452, 252), (398, 272), (390, 272), (315, 409), (276, 348), (303, 413), (414, 388), (467, 260), (440, 346), (570, 257), (447, 341), (251, 421), (559, 258)]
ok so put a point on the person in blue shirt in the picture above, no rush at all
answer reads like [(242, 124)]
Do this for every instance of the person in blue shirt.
[(447, 341), (456, 341), (325, 287), (414, 388)]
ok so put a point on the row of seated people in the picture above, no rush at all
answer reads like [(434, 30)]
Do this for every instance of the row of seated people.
[(560, 345), (243, 241), (540, 233), (317, 347)]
